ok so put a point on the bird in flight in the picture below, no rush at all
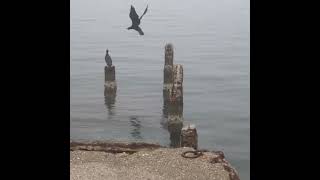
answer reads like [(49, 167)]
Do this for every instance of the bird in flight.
[(136, 20)]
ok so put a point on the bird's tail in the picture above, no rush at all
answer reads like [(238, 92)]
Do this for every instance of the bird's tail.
[(145, 11)]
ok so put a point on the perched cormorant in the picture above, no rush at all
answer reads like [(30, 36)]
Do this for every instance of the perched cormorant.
[(136, 20), (108, 59)]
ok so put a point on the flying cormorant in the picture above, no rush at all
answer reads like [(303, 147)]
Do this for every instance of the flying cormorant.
[(136, 20)]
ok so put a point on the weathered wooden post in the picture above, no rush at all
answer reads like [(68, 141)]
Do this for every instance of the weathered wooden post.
[(168, 71), (110, 80), (168, 54), (189, 136), (167, 80), (175, 104), (175, 123), (173, 96), (174, 128), (110, 87), (172, 84), (176, 93)]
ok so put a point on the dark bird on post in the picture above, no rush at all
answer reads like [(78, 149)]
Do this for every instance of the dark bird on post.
[(136, 20), (108, 59)]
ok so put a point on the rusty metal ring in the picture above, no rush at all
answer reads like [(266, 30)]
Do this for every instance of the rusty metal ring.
[(196, 154)]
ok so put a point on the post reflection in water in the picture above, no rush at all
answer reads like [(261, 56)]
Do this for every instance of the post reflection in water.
[(136, 127), (109, 101)]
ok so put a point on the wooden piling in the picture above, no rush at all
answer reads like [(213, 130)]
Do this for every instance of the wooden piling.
[(168, 54), (110, 80), (176, 93), (189, 136), (173, 96), (110, 73), (172, 78), (168, 71), (174, 128)]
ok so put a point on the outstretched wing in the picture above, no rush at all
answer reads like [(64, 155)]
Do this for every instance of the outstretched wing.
[(139, 30), (145, 11), (134, 16)]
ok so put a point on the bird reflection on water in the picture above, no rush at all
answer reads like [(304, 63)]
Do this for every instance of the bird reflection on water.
[(136, 127)]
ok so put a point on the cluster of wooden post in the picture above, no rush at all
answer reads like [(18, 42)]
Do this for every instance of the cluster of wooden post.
[(173, 102)]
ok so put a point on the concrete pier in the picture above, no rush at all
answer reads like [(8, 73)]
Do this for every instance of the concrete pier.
[(122, 161)]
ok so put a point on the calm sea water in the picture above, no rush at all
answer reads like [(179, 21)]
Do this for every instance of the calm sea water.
[(211, 41)]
